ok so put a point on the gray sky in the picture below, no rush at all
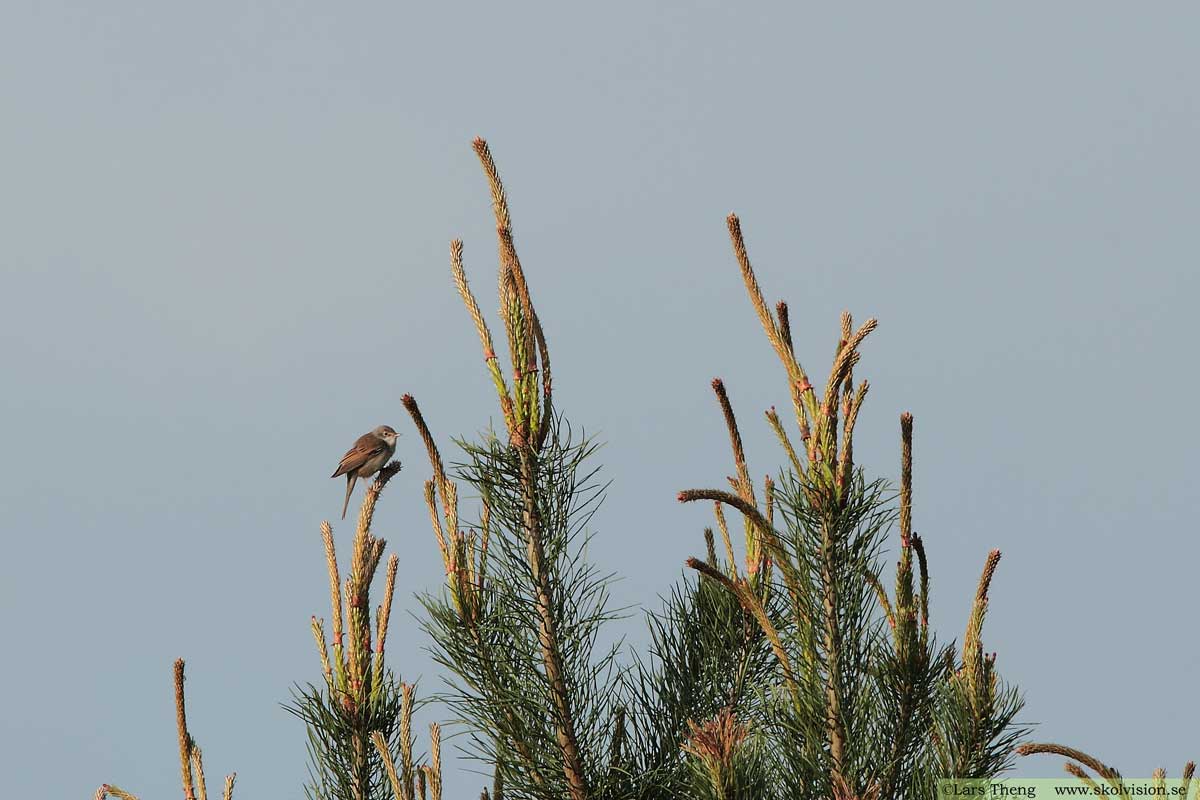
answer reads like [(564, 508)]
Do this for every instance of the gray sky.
[(219, 218)]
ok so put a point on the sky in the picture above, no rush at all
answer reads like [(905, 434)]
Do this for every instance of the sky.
[(225, 256)]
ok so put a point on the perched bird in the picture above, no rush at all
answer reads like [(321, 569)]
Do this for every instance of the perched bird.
[(368, 455)]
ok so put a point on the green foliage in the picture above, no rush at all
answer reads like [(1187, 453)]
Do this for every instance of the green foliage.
[(499, 683), (975, 735), (898, 699), (706, 654), (343, 764)]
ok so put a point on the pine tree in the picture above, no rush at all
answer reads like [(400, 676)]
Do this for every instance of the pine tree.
[(791, 672), (795, 675)]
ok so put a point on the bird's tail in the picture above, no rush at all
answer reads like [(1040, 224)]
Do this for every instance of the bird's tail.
[(350, 481)]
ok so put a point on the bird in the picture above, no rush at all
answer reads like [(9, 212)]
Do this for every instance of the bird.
[(368, 455)]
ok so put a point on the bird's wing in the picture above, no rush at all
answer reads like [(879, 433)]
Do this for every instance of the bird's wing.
[(367, 447)]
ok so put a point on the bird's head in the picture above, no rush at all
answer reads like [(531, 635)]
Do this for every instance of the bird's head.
[(387, 433)]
